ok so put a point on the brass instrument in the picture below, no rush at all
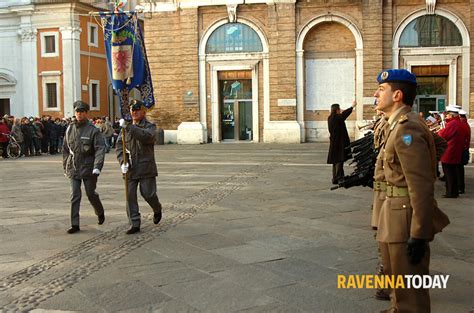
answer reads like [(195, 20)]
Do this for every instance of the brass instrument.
[(434, 124)]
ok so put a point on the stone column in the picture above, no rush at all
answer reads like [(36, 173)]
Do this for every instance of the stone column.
[(71, 67), (29, 68)]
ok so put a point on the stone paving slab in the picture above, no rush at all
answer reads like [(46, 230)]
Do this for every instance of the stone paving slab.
[(246, 228)]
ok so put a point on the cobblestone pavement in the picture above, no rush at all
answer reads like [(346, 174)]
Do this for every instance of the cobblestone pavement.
[(246, 227)]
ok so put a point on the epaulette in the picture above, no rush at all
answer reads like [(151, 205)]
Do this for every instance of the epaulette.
[(403, 119)]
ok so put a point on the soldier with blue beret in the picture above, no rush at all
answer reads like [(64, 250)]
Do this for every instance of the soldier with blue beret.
[(409, 216)]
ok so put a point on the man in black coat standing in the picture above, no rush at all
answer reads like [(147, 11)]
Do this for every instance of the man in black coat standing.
[(338, 140)]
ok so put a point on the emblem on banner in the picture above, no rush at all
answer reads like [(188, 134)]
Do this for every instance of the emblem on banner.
[(122, 62)]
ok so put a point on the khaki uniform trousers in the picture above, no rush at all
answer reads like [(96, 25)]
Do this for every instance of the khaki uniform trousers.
[(395, 262)]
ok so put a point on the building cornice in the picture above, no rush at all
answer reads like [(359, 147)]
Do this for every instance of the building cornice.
[(174, 6), (18, 9)]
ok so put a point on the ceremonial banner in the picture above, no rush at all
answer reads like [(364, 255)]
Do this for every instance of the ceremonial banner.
[(126, 58)]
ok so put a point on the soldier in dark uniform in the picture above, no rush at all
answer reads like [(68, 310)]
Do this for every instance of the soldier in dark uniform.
[(141, 167), (83, 159), (409, 216)]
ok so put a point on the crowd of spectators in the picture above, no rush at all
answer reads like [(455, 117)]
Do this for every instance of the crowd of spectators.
[(44, 135)]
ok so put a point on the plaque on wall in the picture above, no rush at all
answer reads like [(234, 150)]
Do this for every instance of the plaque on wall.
[(286, 102), (189, 98)]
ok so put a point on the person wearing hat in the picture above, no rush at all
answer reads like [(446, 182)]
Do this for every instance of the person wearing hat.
[(83, 159), (465, 153), (139, 166), (409, 216), (455, 135)]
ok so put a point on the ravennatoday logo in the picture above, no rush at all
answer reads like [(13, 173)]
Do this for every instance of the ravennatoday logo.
[(392, 281)]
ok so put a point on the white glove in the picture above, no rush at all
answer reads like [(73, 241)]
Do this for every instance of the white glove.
[(124, 168), (96, 171), (122, 123)]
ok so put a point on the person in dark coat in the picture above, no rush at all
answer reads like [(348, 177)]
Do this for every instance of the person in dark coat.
[(338, 140), (83, 159), (140, 167)]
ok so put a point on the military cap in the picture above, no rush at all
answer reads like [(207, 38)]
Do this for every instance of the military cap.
[(396, 76), (452, 108), (80, 105), (136, 104)]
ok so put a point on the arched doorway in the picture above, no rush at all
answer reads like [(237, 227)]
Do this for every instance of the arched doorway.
[(315, 55), (7, 90), (436, 48), (232, 57)]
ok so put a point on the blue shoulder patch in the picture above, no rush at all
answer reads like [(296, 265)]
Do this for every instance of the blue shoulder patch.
[(407, 139)]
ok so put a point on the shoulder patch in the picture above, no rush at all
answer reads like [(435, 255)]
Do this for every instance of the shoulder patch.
[(407, 139), (403, 119)]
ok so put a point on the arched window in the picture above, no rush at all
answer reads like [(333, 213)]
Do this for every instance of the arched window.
[(430, 31), (234, 38)]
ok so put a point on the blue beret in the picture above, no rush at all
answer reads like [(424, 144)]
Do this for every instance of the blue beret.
[(396, 75)]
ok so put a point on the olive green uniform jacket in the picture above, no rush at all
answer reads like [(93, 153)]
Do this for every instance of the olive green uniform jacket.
[(83, 150), (139, 142), (409, 162)]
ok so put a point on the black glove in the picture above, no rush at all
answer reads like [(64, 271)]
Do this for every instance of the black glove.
[(416, 249)]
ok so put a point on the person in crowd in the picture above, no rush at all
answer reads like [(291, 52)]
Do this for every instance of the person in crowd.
[(454, 134), (38, 130), (83, 159), (18, 134), (465, 152), (116, 127), (46, 134), (138, 164), (4, 131), (27, 137), (338, 140)]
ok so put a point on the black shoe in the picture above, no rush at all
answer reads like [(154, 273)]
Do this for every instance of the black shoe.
[(448, 196), (461, 192), (73, 229), (101, 219), (133, 230), (157, 217), (380, 294)]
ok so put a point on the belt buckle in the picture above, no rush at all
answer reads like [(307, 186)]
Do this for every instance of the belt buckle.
[(389, 190)]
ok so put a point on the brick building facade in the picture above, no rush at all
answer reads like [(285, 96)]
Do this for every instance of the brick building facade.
[(268, 71)]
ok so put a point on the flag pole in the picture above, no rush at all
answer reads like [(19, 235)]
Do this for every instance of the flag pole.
[(125, 161)]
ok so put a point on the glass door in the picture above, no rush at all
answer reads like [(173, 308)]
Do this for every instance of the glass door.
[(245, 120), (236, 109)]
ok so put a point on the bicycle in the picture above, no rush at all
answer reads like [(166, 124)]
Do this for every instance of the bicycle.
[(13, 147)]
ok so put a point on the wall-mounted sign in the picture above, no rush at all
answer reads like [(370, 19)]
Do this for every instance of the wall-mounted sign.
[(287, 102), (189, 98)]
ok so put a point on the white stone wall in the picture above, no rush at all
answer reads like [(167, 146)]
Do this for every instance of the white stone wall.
[(10, 64)]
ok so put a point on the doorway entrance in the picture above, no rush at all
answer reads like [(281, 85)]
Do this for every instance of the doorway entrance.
[(432, 88), (235, 105), (4, 107)]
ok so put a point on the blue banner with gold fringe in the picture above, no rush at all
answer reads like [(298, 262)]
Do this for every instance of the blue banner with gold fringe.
[(126, 58)]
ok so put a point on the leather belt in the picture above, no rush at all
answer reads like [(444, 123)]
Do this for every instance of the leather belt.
[(380, 186), (394, 191)]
